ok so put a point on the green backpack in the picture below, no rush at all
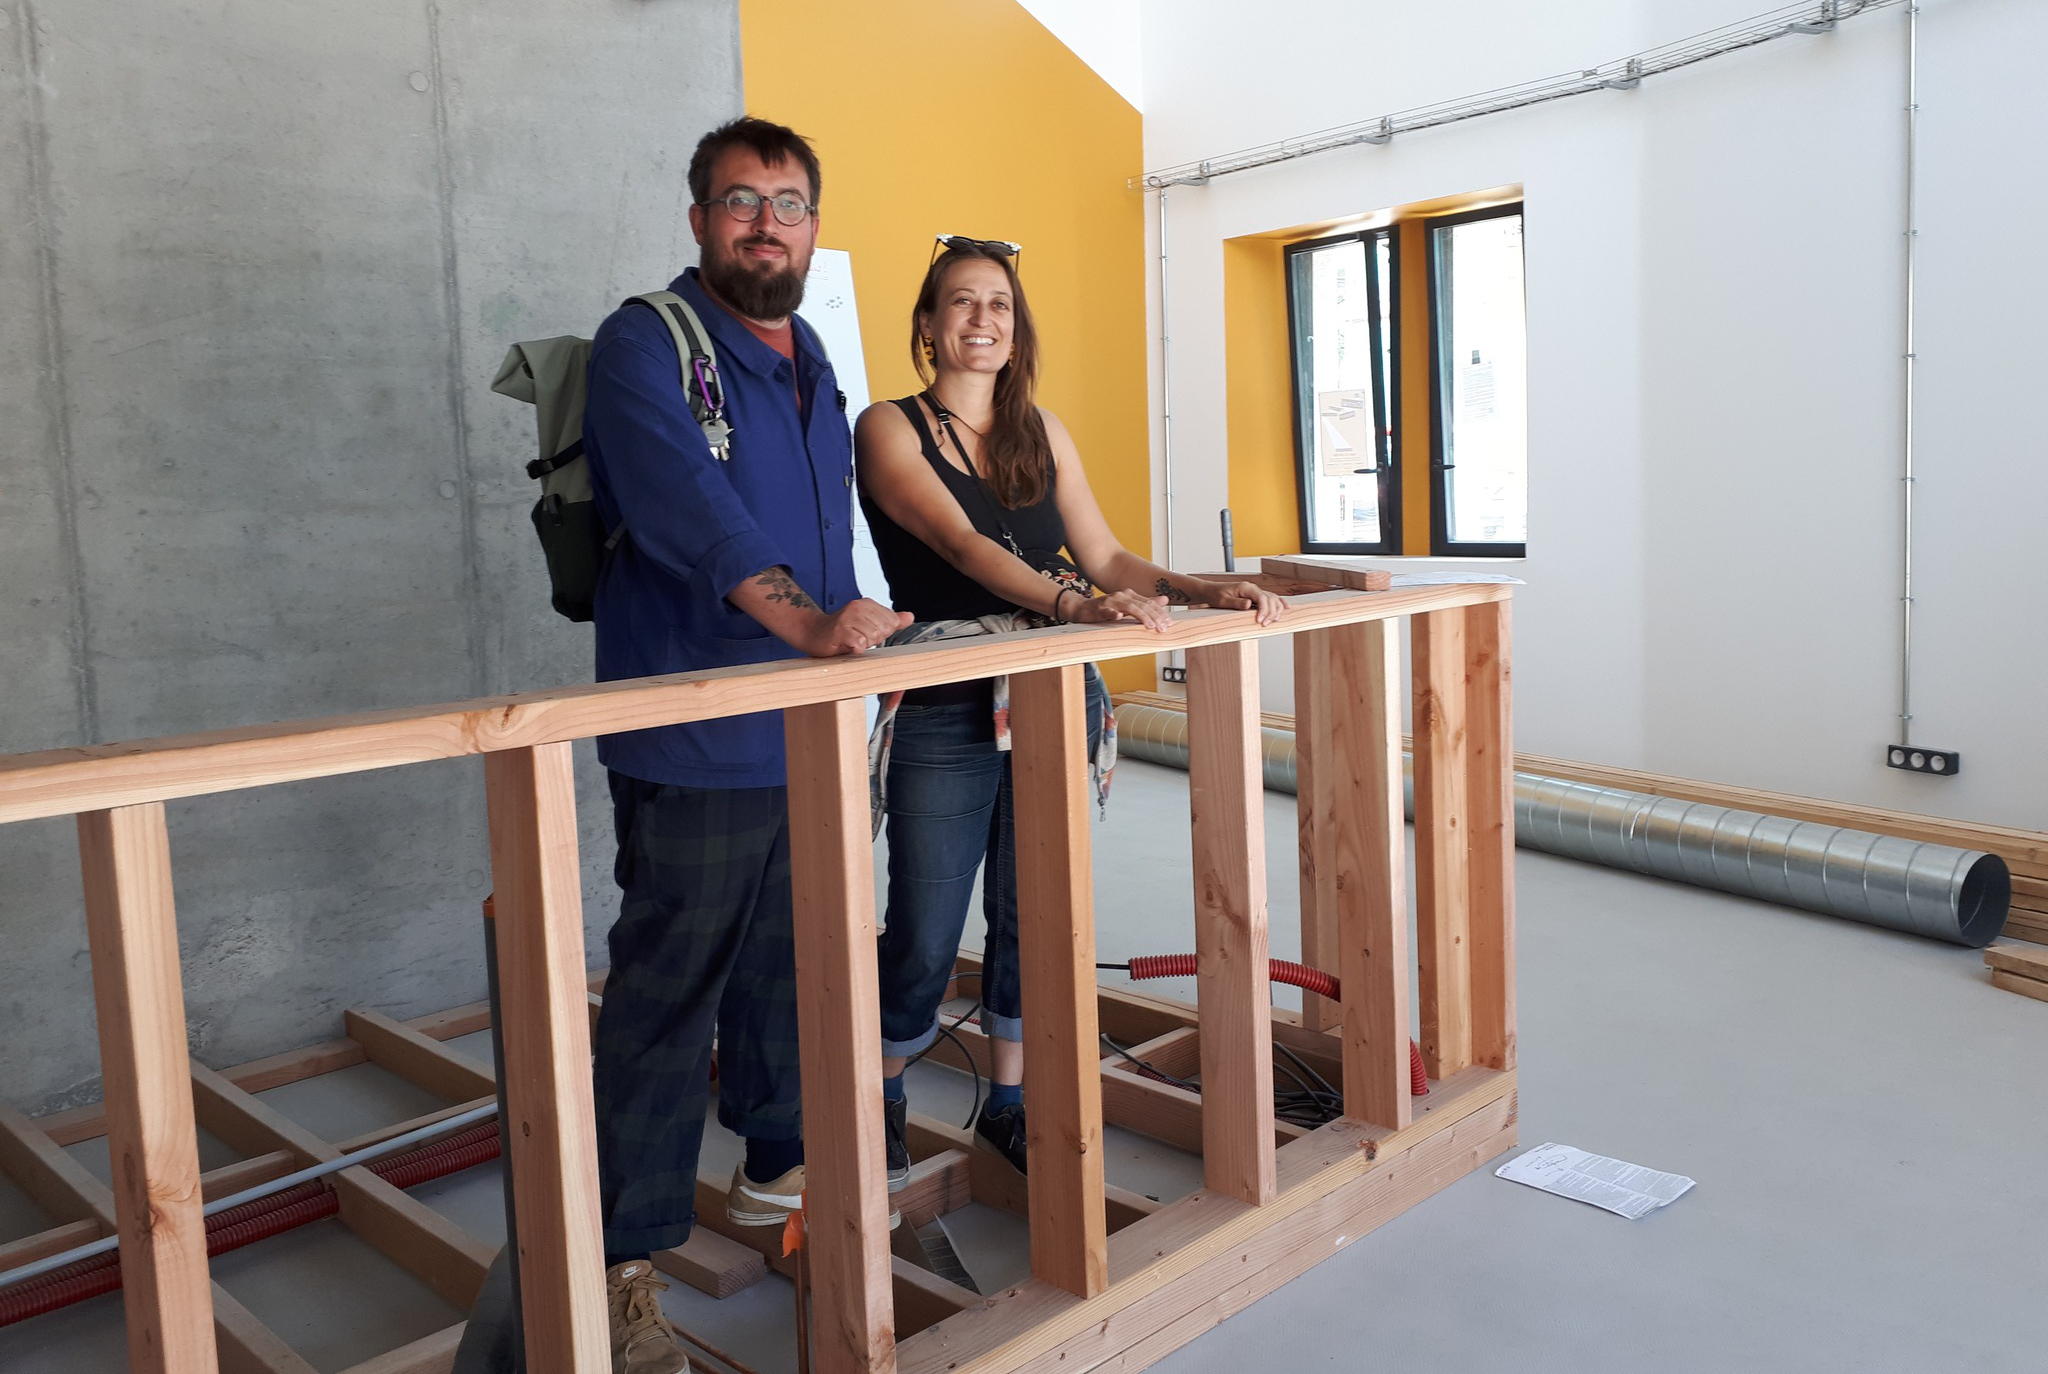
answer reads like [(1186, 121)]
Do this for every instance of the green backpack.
[(552, 376)]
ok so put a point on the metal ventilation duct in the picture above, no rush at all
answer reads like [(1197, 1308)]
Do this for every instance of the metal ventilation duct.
[(1957, 895)]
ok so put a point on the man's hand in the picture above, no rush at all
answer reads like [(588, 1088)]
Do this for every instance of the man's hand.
[(855, 628), (787, 612)]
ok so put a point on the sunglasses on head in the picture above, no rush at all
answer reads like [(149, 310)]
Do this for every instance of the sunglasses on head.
[(1001, 248)]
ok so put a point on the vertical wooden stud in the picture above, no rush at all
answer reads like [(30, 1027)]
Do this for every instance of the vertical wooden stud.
[(1490, 754), (1314, 786), (552, 1118), (852, 1328), (1226, 789), (1056, 939), (1442, 841), (1368, 848), (132, 929)]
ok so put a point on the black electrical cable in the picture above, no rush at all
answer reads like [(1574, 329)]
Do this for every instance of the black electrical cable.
[(1314, 1103), (1322, 1084), (1160, 1074), (947, 1032)]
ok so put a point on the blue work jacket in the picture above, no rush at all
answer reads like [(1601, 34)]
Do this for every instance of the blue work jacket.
[(697, 527)]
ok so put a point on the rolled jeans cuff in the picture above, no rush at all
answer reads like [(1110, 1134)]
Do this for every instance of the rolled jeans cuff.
[(994, 1026)]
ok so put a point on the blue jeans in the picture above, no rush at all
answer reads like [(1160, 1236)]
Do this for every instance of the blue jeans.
[(950, 810)]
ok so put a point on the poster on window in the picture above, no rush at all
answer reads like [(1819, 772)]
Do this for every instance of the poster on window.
[(1344, 431)]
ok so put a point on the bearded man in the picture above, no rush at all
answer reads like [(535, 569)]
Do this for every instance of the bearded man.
[(726, 558)]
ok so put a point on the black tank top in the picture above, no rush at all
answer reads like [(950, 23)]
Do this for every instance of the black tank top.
[(926, 585)]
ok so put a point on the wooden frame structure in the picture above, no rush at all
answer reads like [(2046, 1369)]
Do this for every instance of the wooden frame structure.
[(1114, 1278)]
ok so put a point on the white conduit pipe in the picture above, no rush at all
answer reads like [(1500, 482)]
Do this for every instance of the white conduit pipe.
[(262, 1190), (1957, 895)]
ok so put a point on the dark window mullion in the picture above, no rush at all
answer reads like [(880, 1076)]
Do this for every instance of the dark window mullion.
[(1377, 292), (1301, 330), (1443, 456)]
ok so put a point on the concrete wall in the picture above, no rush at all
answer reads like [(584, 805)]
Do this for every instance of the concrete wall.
[(1715, 296), (261, 265)]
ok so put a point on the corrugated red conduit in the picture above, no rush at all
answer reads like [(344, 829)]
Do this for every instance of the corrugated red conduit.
[(253, 1221), (1281, 971)]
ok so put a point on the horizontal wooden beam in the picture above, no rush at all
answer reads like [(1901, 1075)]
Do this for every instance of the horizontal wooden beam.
[(434, 1249), (1162, 1112), (2027, 963), (2026, 987), (1308, 569), (250, 1125), (713, 1265), (419, 1058), (923, 1299), (938, 1184), (43, 1244), (295, 1066), (433, 1354), (378, 1135), (59, 782), (455, 1022), (246, 1345), (53, 1180), (230, 1179)]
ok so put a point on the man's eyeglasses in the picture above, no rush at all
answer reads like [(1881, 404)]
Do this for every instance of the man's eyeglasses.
[(1001, 248), (745, 206)]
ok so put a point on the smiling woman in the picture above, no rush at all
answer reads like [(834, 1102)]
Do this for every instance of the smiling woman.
[(976, 498), (1043, 162)]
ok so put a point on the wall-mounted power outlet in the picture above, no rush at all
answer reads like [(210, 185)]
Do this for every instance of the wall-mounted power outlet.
[(1910, 758), (1173, 675)]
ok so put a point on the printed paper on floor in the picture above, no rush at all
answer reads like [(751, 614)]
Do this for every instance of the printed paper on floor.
[(1625, 1189)]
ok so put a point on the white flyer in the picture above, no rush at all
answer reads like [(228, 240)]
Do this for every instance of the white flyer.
[(1626, 1189)]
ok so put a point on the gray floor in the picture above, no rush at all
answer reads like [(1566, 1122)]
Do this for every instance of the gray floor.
[(1865, 1114)]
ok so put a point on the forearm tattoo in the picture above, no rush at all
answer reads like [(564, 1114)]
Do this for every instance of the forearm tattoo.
[(780, 586), (1173, 594)]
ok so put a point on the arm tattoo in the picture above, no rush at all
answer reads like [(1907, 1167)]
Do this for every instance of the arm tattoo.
[(782, 587), (1173, 594)]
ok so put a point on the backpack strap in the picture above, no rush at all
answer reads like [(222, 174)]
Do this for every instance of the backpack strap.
[(699, 362)]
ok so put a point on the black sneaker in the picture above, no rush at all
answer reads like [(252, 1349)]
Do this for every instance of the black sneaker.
[(893, 1146), (1004, 1129)]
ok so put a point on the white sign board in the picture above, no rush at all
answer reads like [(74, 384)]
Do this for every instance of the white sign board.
[(828, 308)]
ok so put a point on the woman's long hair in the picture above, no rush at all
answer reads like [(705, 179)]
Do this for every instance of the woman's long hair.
[(1016, 455)]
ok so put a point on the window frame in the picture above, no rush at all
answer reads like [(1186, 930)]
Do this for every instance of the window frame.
[(1388, 438), (1440, 543)]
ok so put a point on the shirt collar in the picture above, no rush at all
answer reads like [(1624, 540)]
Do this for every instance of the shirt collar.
[(735, 340)]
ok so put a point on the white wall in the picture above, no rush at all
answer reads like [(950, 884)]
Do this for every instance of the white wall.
[(1715, 294), (1102, 33)]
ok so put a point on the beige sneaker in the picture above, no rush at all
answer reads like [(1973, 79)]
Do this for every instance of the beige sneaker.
[(748, 1203), (763, 1204), (643, 1342)]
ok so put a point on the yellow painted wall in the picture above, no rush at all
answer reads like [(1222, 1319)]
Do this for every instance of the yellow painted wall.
[(969, 117), (1265, 481)]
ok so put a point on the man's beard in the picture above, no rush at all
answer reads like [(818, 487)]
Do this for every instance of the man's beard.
[(763, 293)]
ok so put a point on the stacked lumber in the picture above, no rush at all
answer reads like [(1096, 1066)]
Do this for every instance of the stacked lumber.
[(2024, 971), (2025, 851)]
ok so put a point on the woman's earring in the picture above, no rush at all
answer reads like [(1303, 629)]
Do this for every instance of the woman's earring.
[(930, 353)]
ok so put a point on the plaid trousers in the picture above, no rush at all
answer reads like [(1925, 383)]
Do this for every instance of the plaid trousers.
[(702, 946)]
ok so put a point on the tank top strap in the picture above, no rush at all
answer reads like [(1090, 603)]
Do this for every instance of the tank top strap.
[(927, 441)]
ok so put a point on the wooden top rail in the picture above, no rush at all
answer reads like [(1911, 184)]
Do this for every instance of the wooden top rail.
[(62, 782)]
